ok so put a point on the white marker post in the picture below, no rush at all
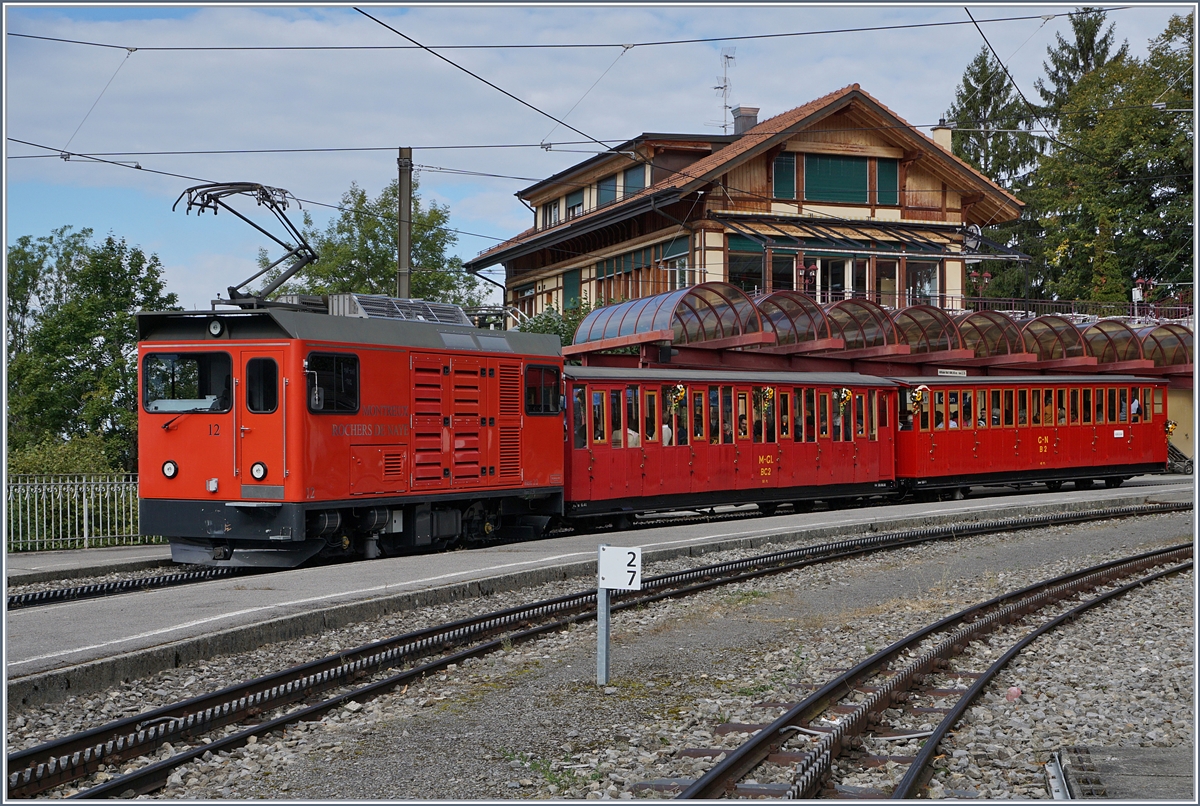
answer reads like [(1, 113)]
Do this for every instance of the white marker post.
[(618, 569)]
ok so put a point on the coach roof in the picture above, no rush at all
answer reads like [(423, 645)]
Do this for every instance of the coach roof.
[(740, 376)]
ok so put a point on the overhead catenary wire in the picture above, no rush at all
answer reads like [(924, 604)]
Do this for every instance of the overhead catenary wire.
[(128, 53), (562, 45), (478, 77), (543, 145)]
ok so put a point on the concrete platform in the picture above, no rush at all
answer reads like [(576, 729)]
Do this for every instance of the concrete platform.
[(1131, 773), (28, 567), (89, 645)]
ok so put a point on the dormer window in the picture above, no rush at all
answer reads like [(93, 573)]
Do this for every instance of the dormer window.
[(574, 204), (550, 214)]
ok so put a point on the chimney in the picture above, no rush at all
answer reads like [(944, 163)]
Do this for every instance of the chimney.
[(942, 134), (744, 119)]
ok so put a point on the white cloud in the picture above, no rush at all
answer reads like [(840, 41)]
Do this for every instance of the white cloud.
[(179, 100)]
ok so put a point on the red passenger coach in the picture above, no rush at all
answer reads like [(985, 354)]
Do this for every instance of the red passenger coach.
[(270, 436), (955, 432), (644, 440)]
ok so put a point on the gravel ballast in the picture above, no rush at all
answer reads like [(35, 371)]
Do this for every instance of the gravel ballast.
[(530, 721)]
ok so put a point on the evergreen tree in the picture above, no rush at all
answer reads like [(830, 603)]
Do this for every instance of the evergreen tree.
[(989, 120), (1071, 61)]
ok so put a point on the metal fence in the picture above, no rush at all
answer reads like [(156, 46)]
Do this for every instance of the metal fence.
[(72, 512)]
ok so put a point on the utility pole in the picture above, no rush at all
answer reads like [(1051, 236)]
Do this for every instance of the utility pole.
[(404, 215)]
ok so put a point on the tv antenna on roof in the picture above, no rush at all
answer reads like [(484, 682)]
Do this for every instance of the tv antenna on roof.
[(727, 60)]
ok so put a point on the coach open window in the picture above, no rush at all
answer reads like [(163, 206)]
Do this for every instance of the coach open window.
[(186, 382), (579, 415), (599, 423), (653, 433), (331, 382)]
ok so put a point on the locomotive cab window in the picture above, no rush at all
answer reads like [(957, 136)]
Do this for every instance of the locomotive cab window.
[(183, 382), (541, 390), (332, 382), (262, 385)]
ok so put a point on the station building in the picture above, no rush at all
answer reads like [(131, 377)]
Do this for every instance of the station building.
[(834, 236)]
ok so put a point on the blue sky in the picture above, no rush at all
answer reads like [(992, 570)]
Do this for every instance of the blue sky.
[(253, 99)]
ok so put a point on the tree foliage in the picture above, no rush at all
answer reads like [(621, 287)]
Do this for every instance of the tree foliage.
[(1109, 197), (357, 251), (1116, 196), (1090, 50), (988, 118), (558, 324), (72, 370)]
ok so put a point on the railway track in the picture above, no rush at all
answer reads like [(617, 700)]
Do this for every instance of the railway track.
[(121, 586), (843, 727), (306, 692)]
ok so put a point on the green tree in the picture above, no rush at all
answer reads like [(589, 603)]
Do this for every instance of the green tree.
[(76, 374), (1116, 198), (989, 120), (1090, 49), (38, 272), (562, 324), (357, 251)]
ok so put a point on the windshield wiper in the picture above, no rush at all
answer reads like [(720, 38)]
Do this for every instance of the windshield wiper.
[(167, 424)]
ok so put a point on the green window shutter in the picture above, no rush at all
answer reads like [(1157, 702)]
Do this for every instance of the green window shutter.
[(835, 179), (571, 292), (635, 179), (785, 176), (887, 180), (740, 243), (574, 199), (606, 190), (675, 248)]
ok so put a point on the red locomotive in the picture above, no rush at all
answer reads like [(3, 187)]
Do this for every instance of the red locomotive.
[(376, 426), (269, 436)]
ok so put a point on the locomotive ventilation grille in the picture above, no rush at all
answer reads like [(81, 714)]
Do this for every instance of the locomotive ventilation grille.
[(510, 452), (376, 306), (393, 465)]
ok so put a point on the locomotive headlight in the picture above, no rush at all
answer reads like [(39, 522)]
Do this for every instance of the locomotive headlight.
[(170, 469), (216, 327), (258, 471)]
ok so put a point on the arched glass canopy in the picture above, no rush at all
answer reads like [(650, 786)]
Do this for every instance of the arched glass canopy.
[(990, 333), (794, 317), (861, 324), (700, 313), (1167, 345), (1052, 338), (926, 329), (1110, 341)]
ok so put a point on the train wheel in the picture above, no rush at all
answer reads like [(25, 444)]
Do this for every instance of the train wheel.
[(1054, 486), (803, 506), (768, 509), (1114, 482), (1084, 484)]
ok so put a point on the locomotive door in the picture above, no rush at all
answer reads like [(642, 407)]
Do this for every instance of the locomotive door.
[(259, 427), (468, 422), (430, 424)]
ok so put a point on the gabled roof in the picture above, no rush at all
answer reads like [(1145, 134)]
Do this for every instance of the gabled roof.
[(628, 145), (751, 143)]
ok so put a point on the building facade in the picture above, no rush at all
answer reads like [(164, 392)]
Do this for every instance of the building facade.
[(838, 198)]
